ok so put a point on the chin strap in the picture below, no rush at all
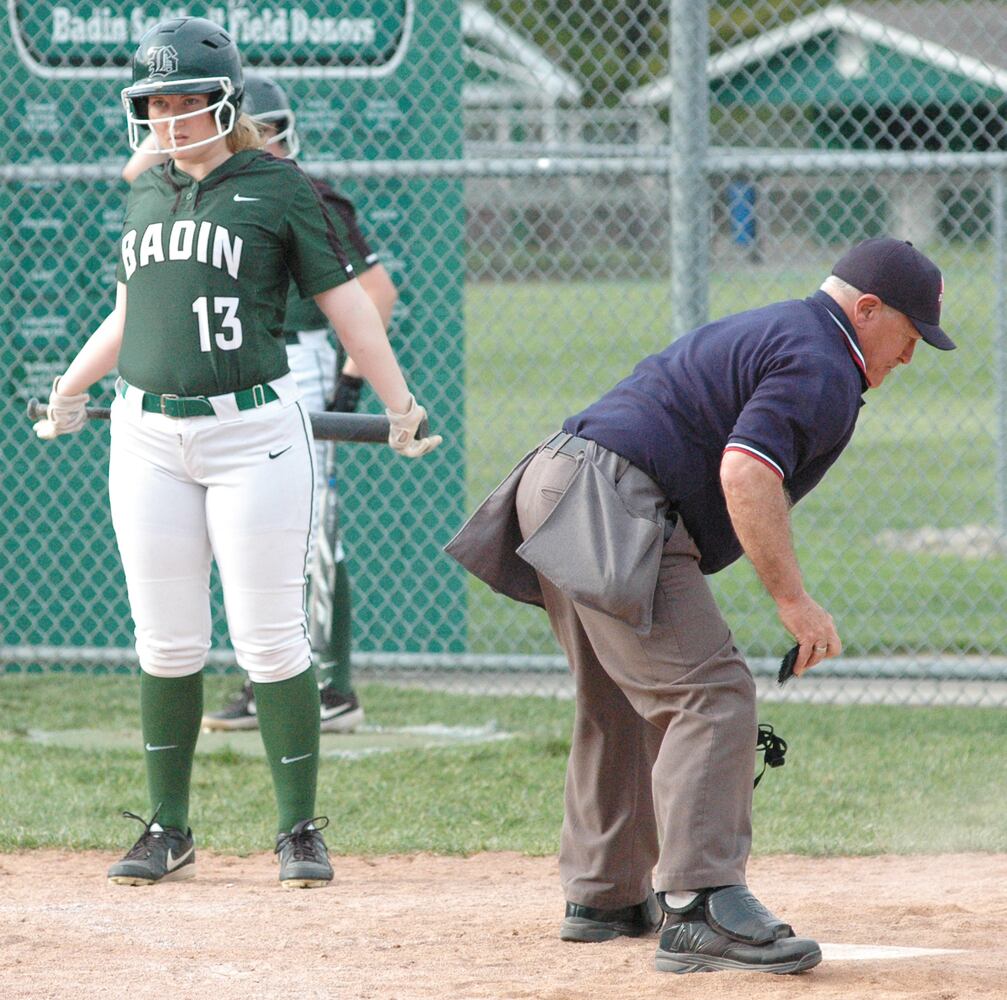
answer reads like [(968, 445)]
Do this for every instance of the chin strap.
[(774, 747)]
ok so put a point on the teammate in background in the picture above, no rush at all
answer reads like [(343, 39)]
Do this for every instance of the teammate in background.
[(211, 449), (314, 364), (692, 460)]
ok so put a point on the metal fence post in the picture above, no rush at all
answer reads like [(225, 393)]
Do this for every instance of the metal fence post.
[(1000, 339), (690, 202)]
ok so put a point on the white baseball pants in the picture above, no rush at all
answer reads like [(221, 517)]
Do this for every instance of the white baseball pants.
[(237, 487)]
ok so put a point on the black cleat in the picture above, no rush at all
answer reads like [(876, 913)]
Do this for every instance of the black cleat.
[(236, 714), (160, 855), (304, 859), (587, 923), (341, 713)]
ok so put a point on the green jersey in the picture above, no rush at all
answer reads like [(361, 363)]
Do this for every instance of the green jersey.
[(207, 265)]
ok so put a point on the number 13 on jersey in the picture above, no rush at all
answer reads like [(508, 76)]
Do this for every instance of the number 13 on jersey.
[(229, 336)]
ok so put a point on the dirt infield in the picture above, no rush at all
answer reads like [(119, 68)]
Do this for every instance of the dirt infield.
[(398, 928)]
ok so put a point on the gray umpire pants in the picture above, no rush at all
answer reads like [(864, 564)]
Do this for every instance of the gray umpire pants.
[(659, 780)]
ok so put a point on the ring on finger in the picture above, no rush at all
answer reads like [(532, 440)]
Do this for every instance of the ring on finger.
[(821, 647)]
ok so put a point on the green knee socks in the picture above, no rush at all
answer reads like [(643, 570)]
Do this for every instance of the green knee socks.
[(288, 712), (289, 717), (170, 711)]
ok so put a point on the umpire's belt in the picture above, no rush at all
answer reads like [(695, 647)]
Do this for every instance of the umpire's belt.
[(567, 444), (200, 406)]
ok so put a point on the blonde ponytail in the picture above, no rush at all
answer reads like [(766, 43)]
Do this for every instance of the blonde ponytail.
[(244, 135)]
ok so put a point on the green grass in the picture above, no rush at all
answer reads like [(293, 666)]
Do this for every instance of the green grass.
[(858, 780), (924, 453)]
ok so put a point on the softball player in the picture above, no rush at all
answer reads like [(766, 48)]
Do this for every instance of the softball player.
[(212, 455), (314, 364)]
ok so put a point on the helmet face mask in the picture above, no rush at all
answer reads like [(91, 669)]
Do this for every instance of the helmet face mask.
[(283, 122), (220, 93), (186, 55)]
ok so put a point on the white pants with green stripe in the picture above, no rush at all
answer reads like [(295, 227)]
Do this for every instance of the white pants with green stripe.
[(238, 488), (313, 364)]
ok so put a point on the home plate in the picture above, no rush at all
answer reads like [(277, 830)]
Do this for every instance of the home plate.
[(872, 952)]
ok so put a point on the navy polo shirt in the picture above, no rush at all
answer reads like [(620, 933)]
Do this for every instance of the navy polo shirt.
[(783, 384)]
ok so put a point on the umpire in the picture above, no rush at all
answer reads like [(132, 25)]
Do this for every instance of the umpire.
[(611, 524)]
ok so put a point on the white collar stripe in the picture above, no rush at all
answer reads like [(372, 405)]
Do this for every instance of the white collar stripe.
[(858, 357), (755, 453)]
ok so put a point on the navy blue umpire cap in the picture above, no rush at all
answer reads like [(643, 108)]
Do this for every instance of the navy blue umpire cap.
[(903, 278)]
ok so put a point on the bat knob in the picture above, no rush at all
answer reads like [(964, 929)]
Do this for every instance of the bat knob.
[(423, 430), (36, 410)]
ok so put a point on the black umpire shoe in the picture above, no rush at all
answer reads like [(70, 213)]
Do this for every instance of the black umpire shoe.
[(239, 713), (727, 928), (304, 859), (160, 855), (587, 923)]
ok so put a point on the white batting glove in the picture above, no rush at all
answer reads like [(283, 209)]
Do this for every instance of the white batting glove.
[(402, 428), (64, 414)]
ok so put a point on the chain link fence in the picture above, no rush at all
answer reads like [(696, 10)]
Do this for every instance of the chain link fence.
[(559, 190)]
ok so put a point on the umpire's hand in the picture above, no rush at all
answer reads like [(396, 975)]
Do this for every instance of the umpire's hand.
[(346, 398), (812, 626)]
